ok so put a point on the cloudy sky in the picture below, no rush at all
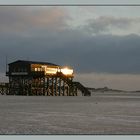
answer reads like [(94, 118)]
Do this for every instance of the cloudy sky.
[(101, 43)]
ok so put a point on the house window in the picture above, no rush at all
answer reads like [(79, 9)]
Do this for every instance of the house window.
[(36, 69)]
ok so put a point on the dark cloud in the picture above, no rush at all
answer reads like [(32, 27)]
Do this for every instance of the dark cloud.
[(106, 23), (47, 41), (102, 53)]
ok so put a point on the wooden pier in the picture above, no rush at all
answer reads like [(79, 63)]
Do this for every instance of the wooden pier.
[(30, 78), (4, 88)]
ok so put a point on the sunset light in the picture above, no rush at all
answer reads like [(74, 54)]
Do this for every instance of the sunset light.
[(67, 71)]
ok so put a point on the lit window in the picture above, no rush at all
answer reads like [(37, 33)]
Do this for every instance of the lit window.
[(67, 71)]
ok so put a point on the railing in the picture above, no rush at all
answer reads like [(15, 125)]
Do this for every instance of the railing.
[(84, 90), (37, 73), (4, 84), (78, 85)]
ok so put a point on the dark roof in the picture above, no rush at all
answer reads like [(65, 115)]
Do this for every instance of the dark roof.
[(32, 62)]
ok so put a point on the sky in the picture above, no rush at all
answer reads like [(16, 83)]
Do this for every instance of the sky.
[(101, 43), (69, 1)]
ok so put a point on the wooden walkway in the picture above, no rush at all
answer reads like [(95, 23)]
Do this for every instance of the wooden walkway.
[(4, 88)]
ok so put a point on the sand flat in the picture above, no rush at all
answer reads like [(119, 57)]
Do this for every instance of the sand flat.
[(102, 113)]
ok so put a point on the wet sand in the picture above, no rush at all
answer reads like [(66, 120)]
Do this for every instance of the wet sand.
[(102, 113)]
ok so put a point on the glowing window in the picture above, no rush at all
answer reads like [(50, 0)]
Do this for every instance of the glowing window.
[(67, 71)]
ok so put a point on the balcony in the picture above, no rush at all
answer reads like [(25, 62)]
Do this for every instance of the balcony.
[(38, 73)]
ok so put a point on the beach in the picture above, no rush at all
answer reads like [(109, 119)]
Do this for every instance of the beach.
[(101, 113)]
